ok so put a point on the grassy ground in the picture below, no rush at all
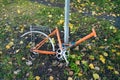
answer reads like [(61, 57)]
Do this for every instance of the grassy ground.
[(97, 58)]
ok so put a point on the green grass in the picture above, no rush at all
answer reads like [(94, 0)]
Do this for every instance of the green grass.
[(16, 16)]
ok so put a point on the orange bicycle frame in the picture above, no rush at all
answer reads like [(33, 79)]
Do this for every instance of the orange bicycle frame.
[(56, 32)]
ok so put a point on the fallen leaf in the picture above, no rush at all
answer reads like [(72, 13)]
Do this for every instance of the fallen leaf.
[(0, 52), (113, 50), (21, 42), (80, 74), (102, 59), (93, 13), (91, 57), (23, 58), (91, 66), (116, 72), (71, 26), (71, 73), (60, 22), (37, 77), (83, 5), (110, 67), (96, 76), (118, 53), (17, 51), (84, 62), (51, 78), (73, 56), (89, 47), (18, 11), (78, 1), (9, 45), (70, 78), (49, 16), (97, 68), (77, 62), (105, 54)]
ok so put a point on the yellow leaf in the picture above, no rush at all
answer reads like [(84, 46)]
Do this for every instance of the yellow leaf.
[(73, 56), (116, 72), (105, 54), (93, 40), (80, 11), (102, 47), (29, 45), (84, 62), (21, 28), (78, 1), (93, 13), (96, 76), (91, 66), (105, 39), (10, 62), (113, 15), (53, 40), (37, 77), (23, 58), (77, 62), (118, 14), (89, 47), (115, 30), (102, 59), (70, 78), (113, 50), (18, 11), (91, 57), (0, 52), (118, 53), (49, 16), (82, 5), (9, 45), (21, 42), (110, 67), (60, 22), (35, 20), (17, 50), (51, 78), (71, 26), (92, 3), (80, 74), (39, 6)]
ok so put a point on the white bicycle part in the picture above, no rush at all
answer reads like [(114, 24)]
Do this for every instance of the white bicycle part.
[(31, 33)]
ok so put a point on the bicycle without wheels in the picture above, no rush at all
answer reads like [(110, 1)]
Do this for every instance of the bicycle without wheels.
[(41, 43)]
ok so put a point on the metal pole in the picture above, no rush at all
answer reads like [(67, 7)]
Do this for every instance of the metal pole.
[(66, 24)]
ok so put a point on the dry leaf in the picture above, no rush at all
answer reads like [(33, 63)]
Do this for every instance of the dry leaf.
[(110, 67), (105, 54), (18, 11), (9, 45), (77, 62), (96, 76), (102, 59), (70, 78), (51, 78), (37, 77), (91, 66), (116, 72)]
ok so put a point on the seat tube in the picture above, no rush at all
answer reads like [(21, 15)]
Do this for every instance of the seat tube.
[(59, 39)]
